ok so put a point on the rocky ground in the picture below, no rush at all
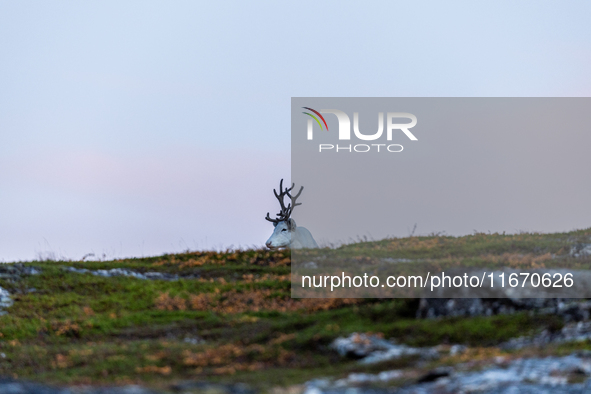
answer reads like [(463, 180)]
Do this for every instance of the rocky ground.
[(224, 322), (501, 374)]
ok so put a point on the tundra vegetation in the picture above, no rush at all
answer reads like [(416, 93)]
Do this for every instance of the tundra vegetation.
[(230, 318)]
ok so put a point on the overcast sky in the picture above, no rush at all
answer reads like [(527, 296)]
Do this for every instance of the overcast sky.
[(141, 127)]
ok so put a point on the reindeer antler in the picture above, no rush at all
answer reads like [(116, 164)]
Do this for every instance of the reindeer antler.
[(285, 212)]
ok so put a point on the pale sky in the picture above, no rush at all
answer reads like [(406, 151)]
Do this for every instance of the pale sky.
[(144, 127)]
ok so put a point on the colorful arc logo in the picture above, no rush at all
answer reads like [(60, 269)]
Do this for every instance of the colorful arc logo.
[(315, 118)]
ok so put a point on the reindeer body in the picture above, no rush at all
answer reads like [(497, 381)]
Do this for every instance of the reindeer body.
[(295, 237), (286, 233)]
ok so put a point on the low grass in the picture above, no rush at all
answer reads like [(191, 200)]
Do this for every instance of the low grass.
[(230, 317)]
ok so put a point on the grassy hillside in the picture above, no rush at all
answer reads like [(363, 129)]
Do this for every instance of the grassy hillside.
[(229, 316)]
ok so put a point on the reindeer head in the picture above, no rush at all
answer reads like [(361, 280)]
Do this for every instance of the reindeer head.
[(284, 225)]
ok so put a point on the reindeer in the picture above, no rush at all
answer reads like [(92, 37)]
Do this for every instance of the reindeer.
[(286, 233)]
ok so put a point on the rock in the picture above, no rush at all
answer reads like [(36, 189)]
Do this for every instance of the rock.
[(14, 271), (580, 250), (532, 375), (393, 260), (194, 340), (12, 386), (568, 309), (436, 307), (574, 332), (124, 272), (359, 345), (466, 282), (130, 389), (364, 378), (457, 349), (374, 349), (5, 300), (29, 270), (8, 385), (212, 388)]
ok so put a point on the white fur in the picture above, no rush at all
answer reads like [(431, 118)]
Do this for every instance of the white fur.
[(295, 237)]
